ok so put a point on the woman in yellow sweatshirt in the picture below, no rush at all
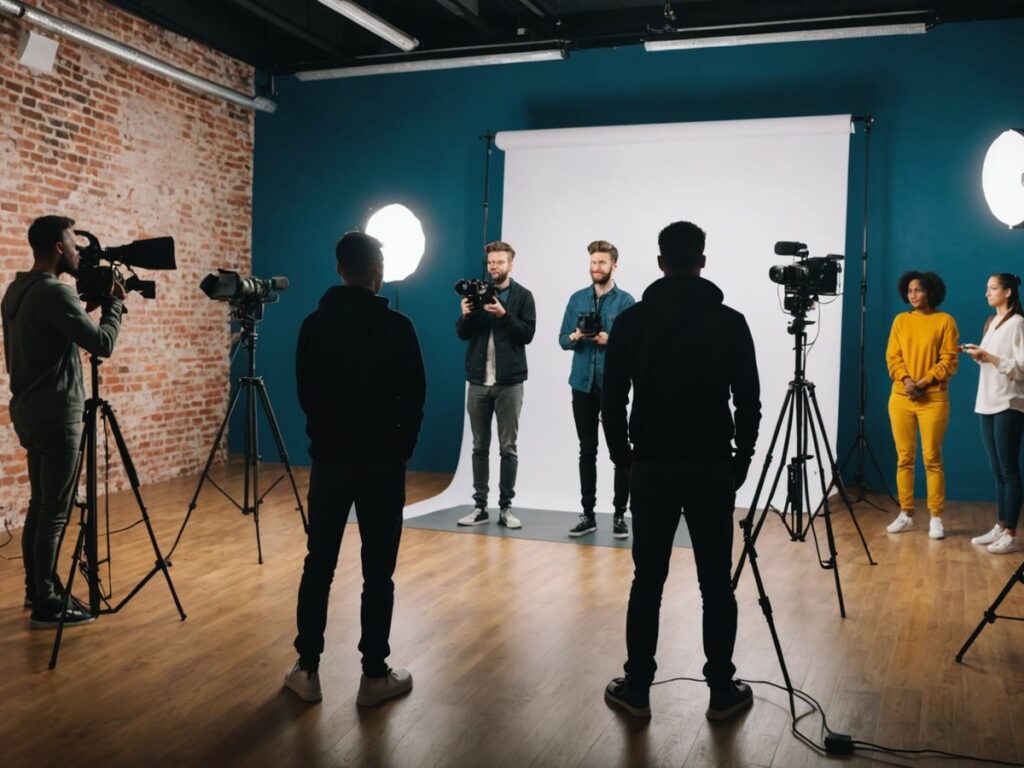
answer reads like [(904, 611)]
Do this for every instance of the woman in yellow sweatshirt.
[(922, 358)]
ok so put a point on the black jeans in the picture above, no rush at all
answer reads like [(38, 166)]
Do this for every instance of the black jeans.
[(586, 410), (1001, 433), (703, 492), (378, 491), (53, 449)]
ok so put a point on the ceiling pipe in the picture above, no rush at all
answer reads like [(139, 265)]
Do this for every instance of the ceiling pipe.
[(99, 42)]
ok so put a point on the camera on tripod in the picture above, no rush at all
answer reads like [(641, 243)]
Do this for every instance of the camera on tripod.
[(246, 295), (589, 323), (95, 281), (807, 279), (479, 292)]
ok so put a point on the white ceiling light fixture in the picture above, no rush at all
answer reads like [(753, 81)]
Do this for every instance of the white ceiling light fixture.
[(372, 23), (787, 36), (402, 240), (1002, 178), (423, 65)]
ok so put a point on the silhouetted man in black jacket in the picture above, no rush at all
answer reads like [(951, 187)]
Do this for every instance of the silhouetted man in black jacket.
[(684, 354), (361, 384)]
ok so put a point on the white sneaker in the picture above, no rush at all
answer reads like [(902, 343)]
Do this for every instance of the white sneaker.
[(506, 518), (478, 516), (903, 522), (991, 537), (1004, 545), (305, 684), (374, 690), (935, 529)]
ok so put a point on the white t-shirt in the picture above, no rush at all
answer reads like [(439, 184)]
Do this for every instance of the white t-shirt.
[(490, 363), (1002, 387)]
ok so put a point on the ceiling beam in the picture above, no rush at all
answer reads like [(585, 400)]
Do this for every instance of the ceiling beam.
[(469, 12), (290, 28)]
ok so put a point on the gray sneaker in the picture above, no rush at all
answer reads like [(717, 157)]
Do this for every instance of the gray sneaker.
[(374, 690), (478, 516), (305, 684), (507, 519)]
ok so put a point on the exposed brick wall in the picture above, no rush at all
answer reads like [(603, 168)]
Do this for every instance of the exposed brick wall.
[(128, 155)]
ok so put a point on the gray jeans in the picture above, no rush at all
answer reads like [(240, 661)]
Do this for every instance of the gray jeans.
[(53, 450), (504, 401)]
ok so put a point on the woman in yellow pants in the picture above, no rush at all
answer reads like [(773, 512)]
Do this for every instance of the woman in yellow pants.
[(922, 358)]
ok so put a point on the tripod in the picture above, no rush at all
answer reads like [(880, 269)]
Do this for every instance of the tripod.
[(990, 615), (800, 409), (860, 442), (254, 387), (86, 546)]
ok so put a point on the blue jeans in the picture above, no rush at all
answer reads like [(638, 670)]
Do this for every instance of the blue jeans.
[(1001, 433), (503, 401)]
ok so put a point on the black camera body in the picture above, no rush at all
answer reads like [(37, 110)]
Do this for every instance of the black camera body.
[(808, 278), (95, 280), (479, 292), (589, 323)]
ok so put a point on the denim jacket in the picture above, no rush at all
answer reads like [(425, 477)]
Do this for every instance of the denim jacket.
[(587, 371)]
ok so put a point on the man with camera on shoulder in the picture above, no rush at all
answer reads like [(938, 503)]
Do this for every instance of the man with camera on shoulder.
[(586, 324), (45, 326), (498, 332)]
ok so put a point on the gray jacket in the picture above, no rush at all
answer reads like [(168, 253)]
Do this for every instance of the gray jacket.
[(44, 325)]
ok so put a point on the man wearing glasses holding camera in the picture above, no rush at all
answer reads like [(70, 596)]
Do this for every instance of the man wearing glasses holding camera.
[(45, 327), (588, 320)]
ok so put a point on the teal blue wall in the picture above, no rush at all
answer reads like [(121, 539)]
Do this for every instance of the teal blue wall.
[(337, 148)]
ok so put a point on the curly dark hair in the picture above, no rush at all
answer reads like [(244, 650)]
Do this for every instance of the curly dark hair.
[(930, 281)]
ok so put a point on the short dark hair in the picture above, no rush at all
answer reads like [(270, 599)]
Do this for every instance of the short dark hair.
[(603, 246), (500, 245), (358, 253), (682, 245), (930, 281), (46, 231)]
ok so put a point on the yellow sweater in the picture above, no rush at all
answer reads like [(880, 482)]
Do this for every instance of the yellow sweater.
[(923, 347)]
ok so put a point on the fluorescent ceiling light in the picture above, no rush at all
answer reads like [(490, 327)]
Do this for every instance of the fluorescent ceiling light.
[(402, 240), (1002, 178), (792, 36), (519, 57), (375, 24)]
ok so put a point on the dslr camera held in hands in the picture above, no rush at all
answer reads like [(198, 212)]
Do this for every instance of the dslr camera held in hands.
[(246, 295), (479, 292), (806, 279), (589, 323), (95, 280)]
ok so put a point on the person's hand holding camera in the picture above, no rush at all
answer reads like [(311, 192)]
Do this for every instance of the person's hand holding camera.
[(467, 308), (495, 308), (601, 338)]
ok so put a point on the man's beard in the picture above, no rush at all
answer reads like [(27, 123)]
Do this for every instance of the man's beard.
[(601, 279), (64, 266), (500, 277)]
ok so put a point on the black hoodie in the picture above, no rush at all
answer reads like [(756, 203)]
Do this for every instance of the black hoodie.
[(45, 326), (360, 378), (683, 352)]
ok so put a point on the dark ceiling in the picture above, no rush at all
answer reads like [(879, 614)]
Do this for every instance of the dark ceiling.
[(284, 36)]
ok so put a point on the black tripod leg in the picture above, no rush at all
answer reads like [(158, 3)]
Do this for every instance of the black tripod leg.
[(812, 427), (888, 490), (754, 532), (76, 559), (252, 463), (275, 430), (837, 478), (133, 480), (206, 472), (990, 614)]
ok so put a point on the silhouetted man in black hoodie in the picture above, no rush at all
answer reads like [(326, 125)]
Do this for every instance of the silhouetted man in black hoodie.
[(684, 354), (361, 384)]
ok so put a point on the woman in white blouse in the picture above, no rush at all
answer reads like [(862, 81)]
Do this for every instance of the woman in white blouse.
[(1000, 404)]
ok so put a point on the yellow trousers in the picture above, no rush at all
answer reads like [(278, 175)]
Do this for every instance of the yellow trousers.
[(931, 417)]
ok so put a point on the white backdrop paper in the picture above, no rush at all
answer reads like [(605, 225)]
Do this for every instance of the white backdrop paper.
[(747, 183)]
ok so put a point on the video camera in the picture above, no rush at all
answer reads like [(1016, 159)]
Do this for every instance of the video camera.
[(95, 281), (479, 292), (589, 323), (246, 295), (807, 279)]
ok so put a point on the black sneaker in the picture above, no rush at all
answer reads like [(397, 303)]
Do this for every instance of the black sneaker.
[(619, 528), (635, 702), (73, 617), (730, 701), (587, 524), (478, 516)]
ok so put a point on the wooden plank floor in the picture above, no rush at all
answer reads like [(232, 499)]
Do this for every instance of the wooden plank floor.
[(510, 644)]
